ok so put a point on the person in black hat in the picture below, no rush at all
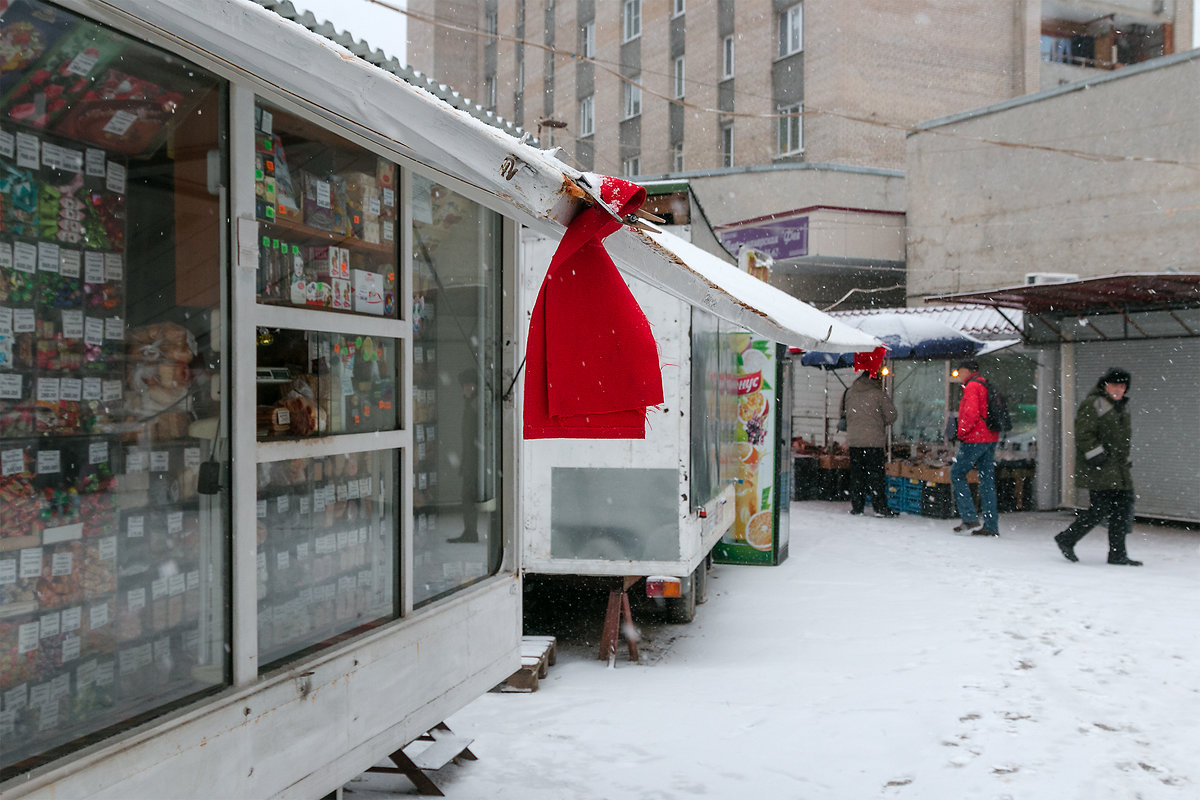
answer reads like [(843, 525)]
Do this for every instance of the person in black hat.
[(1102, 466)]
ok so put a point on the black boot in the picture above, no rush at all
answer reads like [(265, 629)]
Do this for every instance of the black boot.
[(1068, 550), (1124, 561)]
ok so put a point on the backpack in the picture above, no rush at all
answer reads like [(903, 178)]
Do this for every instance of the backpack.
[(997, 418)]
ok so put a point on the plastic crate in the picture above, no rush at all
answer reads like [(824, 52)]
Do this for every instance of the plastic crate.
[(937, 501)]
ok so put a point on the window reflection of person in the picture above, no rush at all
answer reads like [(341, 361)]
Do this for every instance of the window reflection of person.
[(471, 447)]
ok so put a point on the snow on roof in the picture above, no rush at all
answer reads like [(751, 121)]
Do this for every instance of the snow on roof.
[(981, 322)]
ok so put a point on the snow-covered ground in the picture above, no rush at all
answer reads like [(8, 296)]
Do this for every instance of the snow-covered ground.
[(884, 658)]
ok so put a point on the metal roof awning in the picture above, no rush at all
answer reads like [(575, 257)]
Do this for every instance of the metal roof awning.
[(1122, 295)]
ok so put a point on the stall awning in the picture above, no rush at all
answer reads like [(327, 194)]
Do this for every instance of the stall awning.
[(1145, 291), (238, 38)]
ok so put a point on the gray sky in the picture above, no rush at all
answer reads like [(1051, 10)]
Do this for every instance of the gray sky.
[(380, 26)]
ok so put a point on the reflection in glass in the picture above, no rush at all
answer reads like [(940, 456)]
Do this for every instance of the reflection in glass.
[(113, 542), (456, 385), (326, 549), (315, 384)]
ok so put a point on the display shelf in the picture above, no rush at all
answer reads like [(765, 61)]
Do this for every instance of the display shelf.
[(282, 227)]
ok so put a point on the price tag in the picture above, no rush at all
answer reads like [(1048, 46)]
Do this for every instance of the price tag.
[(193, 580), (49, 462), (323, 194), (364, 487), (47, 390), (93, 333), (70, 648), (175, 522), (261, 509), (10, 387), (72, 160), (191, 457), (72, 324), (302, 551), (27, 638), (25, 257), (135, 461), (61, 564), (93, 267), (84, 63), (6, 255), (114, 329), (94, 162), (8, 144), (51, 156), (341, 492), (23, 320), (135, 527), (158, 588), (28, 151), (373, 207), (176, 584), (98, 452), (120, 123), (160, 460), (72, 618), (114, 181), (69, 262), (47, 257), (343, 540), (31, 563), (330, 494), (71, 390), (282, 559), (107, 548), (106, 673), (352, 490), (318, 500), (386, 228), (114, 267), (8, 571), (281, 504), (305, 505), (111, 390), (135, 598), (91, 388), (12, 462), (389, 197), (98, 615)]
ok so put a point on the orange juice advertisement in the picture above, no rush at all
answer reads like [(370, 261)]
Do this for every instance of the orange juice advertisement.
[(752, 537)]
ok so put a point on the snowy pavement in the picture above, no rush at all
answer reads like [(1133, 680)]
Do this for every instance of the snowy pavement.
[(884, 658)]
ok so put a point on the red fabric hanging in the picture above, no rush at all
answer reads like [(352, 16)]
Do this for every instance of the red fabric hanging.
[(592, 368)]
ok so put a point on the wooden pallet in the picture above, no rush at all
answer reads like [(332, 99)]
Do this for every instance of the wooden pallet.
[(538, 654)]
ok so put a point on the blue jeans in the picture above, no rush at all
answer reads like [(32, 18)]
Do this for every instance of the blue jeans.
[(980, 456)]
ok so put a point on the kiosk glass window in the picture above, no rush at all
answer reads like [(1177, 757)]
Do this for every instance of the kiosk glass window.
[(114, 532), (330, 366), (456, 245)]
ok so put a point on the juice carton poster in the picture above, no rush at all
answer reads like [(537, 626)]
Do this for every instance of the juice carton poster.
[(751, 539)]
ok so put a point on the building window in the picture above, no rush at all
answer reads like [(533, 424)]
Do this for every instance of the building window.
[(727, 145), (632, 17), (633, 96), (727, 57), (791, 131), (587, 118), (677, 157), (489, 91), (587, 39), (678, 80), (631, 167), (677, 8), (791, 30), (493, 22)]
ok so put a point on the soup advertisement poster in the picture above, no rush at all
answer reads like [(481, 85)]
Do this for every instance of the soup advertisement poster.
[(752, 537)]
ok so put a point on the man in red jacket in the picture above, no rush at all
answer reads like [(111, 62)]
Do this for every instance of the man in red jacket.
[(976, 450)]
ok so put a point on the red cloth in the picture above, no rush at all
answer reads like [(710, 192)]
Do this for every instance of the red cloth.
[(870, 362), (972, 413), (592, 366)]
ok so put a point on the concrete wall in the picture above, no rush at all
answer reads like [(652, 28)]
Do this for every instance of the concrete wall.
[(982, 215)]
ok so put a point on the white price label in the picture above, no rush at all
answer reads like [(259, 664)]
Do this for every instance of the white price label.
[(28, 151), (71, 390), (175, 522), (8, 144), (281, 504), (261, 509), (91, 388), (323, 194), (191, 457), (373, 207), (108, 548), (135, 461), (93, 332), (93, 267), (389, 197), (25, 257), (31, 563), (47, 390), (114, 329), (12, 462), (302, 551), (135, 527), (111, 390), (47, 257), (84, 63), (72, 619), (114, 181), (177, 584), (49, 462), (160, 460), (135, 599), (98, 452), (61, 564), (94, 161), (114, 267), (8, 571), (282, 559), (10, 387), (69, 262), (120, 123), (51, 156), (24, 320), (70, 648), (98, 615), (352, 490), (72, 324), (158, 588), (27, 638)]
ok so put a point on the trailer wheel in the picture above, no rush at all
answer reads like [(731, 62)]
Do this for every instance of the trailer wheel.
[(682, 610), (701, 580)]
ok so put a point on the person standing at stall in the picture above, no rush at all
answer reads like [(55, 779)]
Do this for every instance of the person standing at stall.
[(868, 411), (976, 450), (1102, 447)]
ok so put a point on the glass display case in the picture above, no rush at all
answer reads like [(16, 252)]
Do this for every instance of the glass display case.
[(113, 527)]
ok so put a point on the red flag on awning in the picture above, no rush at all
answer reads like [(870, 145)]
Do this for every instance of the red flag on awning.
[(592, 366)]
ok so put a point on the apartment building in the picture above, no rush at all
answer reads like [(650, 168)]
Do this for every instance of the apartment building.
[(780, 113)]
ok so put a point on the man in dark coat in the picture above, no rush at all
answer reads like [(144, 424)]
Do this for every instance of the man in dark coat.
[(868, 411), (1102, 446)]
